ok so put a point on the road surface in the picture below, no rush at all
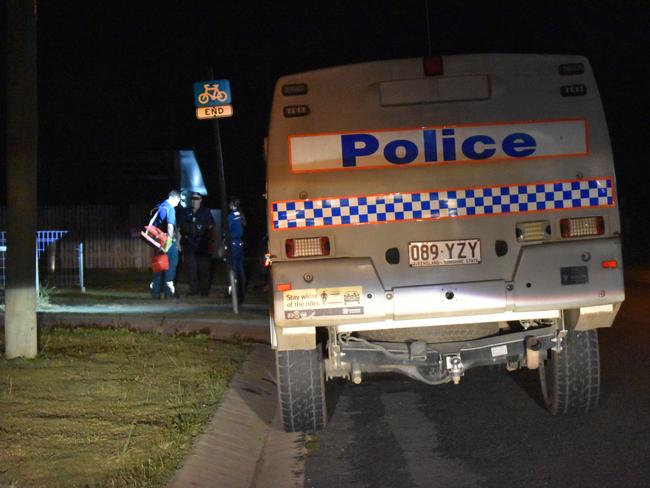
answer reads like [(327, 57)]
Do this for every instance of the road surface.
[(491, 430)]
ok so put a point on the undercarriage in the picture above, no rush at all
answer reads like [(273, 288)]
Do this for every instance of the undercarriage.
[(350, 356)]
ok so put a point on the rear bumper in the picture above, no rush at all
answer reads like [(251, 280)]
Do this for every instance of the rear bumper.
[(347, 292)]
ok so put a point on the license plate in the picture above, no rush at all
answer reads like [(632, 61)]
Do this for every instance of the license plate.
[(444, 253)]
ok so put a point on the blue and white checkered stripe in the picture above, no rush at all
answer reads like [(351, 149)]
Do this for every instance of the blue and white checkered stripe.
[(441, 204)]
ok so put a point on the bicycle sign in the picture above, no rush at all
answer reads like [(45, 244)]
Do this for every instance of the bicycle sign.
[(212, 93)]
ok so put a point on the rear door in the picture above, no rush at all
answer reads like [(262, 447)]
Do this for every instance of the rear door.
[(433, 177)]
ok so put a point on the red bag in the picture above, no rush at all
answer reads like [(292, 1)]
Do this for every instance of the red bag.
[(154, 236), (159, 262)]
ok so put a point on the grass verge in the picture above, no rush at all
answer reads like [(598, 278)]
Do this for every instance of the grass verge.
[(108, 407)]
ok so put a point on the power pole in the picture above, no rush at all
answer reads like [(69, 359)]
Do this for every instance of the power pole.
[(22, 154)]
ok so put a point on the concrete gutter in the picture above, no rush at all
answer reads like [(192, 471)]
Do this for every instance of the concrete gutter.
[(244, 445)]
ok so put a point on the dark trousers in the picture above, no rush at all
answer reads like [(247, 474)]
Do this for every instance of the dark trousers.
[(197, 270)]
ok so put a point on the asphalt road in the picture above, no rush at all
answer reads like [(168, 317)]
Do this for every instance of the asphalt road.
[(491, 430)]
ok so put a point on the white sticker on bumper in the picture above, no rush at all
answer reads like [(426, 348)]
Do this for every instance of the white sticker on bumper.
[(322, 302)]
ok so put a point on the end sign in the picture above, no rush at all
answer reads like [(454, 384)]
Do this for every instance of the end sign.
[(214, 112), (213, 99)]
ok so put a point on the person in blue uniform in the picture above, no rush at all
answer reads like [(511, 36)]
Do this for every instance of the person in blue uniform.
[(197, 237), (163, 282), (236, 224)]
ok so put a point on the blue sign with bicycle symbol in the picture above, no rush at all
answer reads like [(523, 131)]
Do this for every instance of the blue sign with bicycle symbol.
[(212, 93)]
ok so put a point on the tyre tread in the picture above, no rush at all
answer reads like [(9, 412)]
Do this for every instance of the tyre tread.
[(575, 382), (301, 390)]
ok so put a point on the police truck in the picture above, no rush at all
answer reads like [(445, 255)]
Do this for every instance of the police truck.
[(427, 216)]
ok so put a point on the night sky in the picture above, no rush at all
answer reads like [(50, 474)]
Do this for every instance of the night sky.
[(116, 77)]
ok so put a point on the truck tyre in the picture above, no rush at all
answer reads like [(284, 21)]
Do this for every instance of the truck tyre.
[(301, 388), (570, 379)]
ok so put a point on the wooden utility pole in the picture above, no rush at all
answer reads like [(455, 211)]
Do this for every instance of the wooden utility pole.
[(22, 154)]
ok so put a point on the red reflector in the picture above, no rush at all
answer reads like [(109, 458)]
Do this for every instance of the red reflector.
[(283, 286), (582, 227), (610, 264), (432, 65)]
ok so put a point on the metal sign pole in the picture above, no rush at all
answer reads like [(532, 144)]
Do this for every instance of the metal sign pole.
[(224, 213)]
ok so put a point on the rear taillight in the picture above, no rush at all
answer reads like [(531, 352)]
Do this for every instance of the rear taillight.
[(432, 65), (305, 247), (582, 227)]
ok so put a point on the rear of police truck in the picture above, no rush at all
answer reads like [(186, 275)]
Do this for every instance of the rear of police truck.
[(427, 216)]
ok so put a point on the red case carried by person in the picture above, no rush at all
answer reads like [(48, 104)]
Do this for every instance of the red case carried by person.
[(154, 236), (159, 263)]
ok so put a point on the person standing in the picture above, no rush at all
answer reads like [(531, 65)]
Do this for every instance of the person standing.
[(236, 224), (197, 237), (163, 282)]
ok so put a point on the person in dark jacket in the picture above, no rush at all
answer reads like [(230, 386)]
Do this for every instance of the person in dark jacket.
[(197, 239), (236, 224)]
